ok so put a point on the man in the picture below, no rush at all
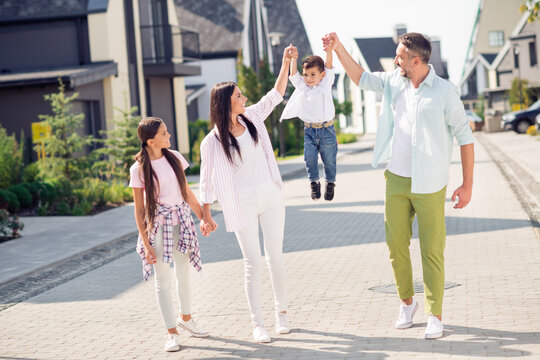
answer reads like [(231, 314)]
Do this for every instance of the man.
[(421, 113)]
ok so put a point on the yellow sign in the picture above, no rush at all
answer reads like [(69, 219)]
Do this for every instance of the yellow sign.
[(517, 107), (40, 130)]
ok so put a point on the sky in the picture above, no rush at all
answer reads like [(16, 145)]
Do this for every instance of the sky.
[(449, 20)]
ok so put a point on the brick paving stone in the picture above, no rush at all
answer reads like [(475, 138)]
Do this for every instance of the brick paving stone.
[(334, 253)]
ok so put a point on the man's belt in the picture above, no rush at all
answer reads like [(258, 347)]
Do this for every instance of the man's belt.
[(319, 125)]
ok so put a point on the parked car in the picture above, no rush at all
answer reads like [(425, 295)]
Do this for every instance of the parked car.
[(519, 121)]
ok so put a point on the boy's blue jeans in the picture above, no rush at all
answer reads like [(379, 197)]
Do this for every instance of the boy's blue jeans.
[(321, 141)]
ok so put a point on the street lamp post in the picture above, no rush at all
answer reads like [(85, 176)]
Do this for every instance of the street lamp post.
[(275, 38), (516, 59)]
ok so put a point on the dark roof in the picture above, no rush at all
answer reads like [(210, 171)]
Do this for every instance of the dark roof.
[(73, 76), (291, 25), (440, 67), (219, 23), (489, 57), (373, 49), (24, 10)]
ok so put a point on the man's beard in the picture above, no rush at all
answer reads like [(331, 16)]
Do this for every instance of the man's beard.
[(403, 72)]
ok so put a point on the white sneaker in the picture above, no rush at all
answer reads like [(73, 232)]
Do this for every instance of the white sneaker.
[(406, 313), (434, 328), (260, 334), (192, 327), (282, 325), (173, 343)]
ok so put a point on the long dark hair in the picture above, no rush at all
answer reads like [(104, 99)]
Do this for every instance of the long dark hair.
[(220, 115), (147, 129)]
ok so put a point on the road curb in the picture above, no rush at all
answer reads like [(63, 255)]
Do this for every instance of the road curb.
[(522, 182)]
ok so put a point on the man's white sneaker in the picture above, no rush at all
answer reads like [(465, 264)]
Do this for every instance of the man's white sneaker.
[(434, 328), (192, 327), (173, 343), (282, 325), (260, 334), (406, 313)]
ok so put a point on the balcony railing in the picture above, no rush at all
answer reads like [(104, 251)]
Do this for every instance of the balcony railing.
[(168, 43)]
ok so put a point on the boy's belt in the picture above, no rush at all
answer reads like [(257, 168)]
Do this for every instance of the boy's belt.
[(319, 125)]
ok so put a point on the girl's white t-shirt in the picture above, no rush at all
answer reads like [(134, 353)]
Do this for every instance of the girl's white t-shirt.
[(252, 169), (169, 189)]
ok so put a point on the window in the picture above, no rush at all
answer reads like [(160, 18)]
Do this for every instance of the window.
[(532, 53), (496, 38)]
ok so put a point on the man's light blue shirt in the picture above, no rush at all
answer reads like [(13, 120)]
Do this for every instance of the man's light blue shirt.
[(439, 117)]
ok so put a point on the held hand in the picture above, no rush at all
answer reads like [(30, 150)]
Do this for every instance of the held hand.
[(287, 53), (204, 228), (211, 226), (294, 52), (330, 41), (464, 194), (150, 254)]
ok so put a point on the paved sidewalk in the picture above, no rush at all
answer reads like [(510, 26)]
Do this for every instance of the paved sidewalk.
[(335, 253), (51, 240)]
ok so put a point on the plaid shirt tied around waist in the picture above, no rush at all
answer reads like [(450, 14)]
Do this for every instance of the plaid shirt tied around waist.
[(187, 235)]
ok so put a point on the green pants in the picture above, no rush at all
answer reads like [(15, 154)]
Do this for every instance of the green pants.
[(400, 207)]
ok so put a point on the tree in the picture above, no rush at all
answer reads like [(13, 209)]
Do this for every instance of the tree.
[(63, 143), (119, 145), (11, 159), (533, 6), (526, 94)]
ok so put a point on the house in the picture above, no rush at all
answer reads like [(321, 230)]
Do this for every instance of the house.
[(494, 22), (376, 54), (113, 53), (227, 29), (253, 29), (517, 59)]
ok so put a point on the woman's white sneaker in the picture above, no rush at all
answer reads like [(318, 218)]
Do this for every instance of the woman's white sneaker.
[(406, 314), (282, 325), (192, 327), (173, 343), (260, 334), (434, 328)]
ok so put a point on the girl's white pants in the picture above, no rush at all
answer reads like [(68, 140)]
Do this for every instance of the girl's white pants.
[(164, 277)]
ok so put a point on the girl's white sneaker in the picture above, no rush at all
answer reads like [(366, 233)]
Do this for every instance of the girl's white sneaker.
[(173, 343), (260, 334), (192, 327), (282, 325)]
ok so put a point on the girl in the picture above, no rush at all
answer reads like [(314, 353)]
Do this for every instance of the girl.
[(239, 169), (166, 229)]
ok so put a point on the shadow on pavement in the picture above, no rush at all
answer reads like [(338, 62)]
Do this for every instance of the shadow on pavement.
[(483, 342)]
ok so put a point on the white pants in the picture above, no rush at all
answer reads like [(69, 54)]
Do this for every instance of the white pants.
[(164, 277), (263, 203)]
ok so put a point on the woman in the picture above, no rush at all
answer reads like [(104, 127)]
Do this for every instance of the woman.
[(238, 167)]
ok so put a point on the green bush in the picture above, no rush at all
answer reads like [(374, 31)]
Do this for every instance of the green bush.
[(346, 138), (30, 173), (81, 209), (34, 189), (8, 200), (23, 195), (11, 162), (42, 210)]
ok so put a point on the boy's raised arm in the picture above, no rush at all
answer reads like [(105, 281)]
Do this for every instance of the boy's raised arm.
[(328, 63), (294, 60)]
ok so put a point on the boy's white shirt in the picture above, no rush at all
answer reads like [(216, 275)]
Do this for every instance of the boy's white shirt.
[(311, 104)]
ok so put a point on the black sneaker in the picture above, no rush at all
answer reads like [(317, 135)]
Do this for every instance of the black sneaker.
[(329, 192), (315, 190)]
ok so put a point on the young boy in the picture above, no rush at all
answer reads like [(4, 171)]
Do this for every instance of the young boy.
[(312, 102)]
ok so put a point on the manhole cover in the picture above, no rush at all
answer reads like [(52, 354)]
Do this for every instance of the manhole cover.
[(418, 287)]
